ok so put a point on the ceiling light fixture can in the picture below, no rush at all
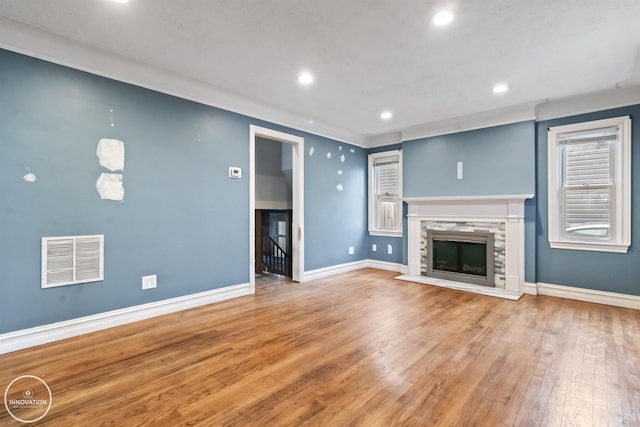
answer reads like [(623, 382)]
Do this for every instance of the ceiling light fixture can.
[(386, 115), (500, 88), (305, 78), (443, 18)]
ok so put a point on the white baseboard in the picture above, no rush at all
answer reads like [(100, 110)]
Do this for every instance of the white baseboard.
[(384, 265), (334, 269), (530, 288), (25, 338), (590, 295), (351, 266)]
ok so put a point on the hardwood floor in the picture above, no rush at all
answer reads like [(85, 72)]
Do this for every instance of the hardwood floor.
[(355, 349)]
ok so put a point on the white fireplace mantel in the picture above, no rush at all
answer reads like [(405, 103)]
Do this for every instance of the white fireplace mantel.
[(507, 209), (469, 207)]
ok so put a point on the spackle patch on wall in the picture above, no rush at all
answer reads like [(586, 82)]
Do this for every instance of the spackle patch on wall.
[(30, 177), (339, 187), (110, 187), (111, 154), (311, 151)]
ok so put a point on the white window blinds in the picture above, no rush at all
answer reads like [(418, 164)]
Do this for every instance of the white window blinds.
[(589, 185), (588, 182), (386, 192)]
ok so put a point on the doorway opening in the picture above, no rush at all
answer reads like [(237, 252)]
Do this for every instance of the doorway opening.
[(276, 223), (273, 242)]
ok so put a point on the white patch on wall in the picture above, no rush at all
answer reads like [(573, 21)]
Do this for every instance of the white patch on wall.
[(110, 187), (110, 154), (328, 155), (30, 177), (340, 147), (339, 187), (311, 151), (352, 150), (339, 171), (342, 158)]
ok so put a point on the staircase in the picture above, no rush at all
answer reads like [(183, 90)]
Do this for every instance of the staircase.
[(275, 260)]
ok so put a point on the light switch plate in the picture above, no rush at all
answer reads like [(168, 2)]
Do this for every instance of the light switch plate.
[(235, 172)]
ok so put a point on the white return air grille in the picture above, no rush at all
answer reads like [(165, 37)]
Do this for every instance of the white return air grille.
[(71, 260)]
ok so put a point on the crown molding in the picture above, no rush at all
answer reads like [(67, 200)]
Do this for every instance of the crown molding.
[(35, 42), (589, 102), (383, 139), (485, 119), (38, 43)]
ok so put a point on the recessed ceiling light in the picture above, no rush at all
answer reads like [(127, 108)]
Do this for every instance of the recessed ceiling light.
[(500, 88), (121, 1), (305, 78), (386, 115), (443, 18)]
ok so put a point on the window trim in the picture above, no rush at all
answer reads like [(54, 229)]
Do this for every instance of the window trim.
[(621, 219), (373, 231)]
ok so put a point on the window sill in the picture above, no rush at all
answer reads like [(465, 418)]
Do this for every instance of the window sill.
[(590, 246), (385, 233)]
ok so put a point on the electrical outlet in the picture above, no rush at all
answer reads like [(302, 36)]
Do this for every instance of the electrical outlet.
[(389, 249), (351, 250), (149, 282), (374, 247)]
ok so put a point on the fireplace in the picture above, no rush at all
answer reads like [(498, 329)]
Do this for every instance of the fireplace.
[(461, 256), (500, 218)]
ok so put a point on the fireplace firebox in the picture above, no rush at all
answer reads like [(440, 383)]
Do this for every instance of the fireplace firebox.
[(461, 256)]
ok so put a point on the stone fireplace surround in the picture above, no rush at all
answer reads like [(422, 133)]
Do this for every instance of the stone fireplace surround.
[(467, 213)]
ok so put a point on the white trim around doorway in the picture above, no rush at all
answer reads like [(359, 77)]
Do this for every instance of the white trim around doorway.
[(297, 199)]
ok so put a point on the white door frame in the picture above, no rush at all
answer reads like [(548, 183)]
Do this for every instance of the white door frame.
[(297, 184)]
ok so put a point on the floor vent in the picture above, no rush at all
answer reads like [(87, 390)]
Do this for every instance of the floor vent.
[(72, 260)]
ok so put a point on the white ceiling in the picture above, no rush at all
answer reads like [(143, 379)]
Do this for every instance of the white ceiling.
[(366, 55)]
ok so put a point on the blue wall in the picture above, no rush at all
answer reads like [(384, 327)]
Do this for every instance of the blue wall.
[(334, 219), (593, 270), (497, 160), (182, 218)]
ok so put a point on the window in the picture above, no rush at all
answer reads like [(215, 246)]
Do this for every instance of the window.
[(590, 185), (385, 193)]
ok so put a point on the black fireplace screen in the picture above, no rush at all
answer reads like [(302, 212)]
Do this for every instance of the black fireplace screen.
[(463, 256), (460, 257)]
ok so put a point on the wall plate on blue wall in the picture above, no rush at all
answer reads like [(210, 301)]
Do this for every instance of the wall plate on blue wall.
[(235, 172)]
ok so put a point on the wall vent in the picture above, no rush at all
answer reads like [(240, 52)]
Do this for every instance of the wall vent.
[(72, 260)]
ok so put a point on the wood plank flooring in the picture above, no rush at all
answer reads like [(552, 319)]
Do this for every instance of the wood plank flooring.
[(355, 349)]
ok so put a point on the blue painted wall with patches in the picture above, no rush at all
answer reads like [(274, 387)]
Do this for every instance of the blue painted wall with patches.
[(182, 218)]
